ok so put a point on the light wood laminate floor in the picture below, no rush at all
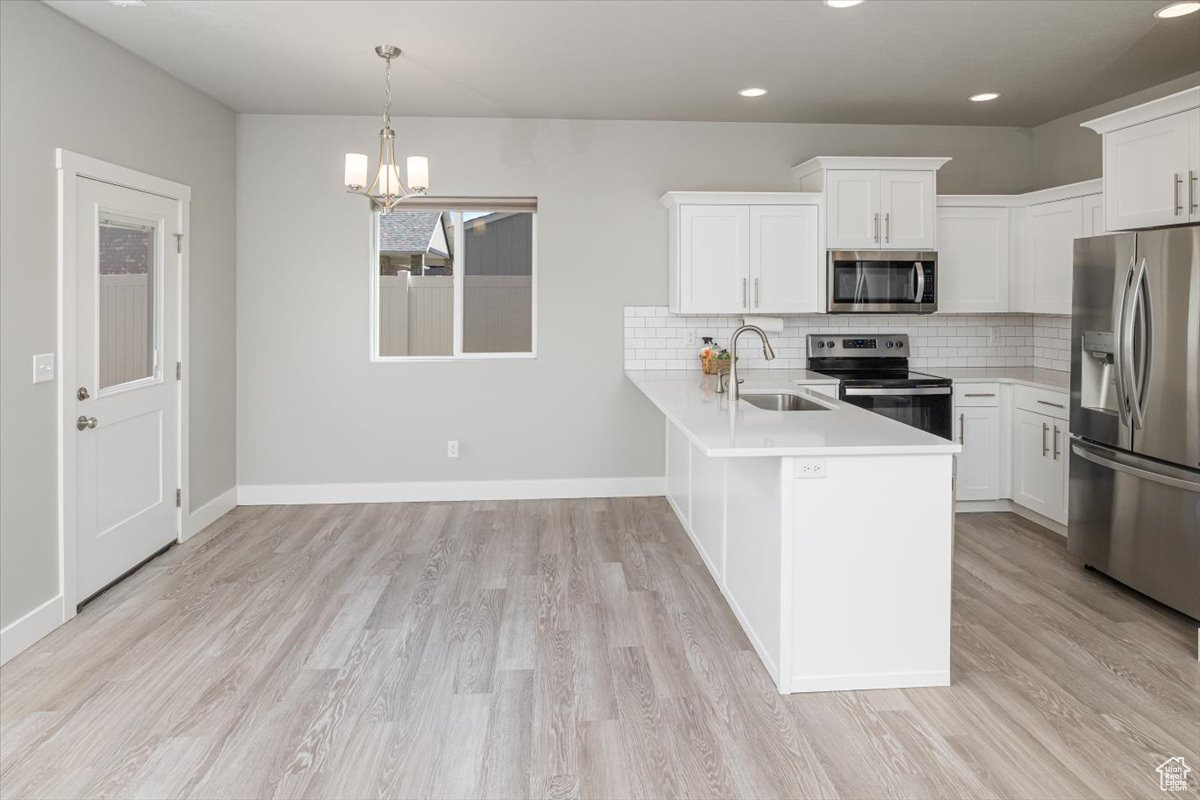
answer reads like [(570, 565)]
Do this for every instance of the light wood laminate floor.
[(569, 649)]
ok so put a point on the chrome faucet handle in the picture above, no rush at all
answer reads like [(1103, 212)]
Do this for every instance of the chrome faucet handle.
[(722, 382)]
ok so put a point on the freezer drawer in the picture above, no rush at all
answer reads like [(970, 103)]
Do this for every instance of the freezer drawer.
[(1138, 521)]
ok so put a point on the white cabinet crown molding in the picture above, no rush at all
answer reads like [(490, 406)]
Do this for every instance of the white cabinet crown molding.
[(820, 163), (1050, 195), (1163, 107), (676, 198)]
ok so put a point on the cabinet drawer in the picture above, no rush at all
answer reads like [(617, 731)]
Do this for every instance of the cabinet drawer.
[(976, 394), (1042, 401)]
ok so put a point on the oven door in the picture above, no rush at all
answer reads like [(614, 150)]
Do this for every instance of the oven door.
[(926, 407), (882, 281)]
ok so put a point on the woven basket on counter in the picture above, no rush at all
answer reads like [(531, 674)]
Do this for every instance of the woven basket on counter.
[(715, 366)]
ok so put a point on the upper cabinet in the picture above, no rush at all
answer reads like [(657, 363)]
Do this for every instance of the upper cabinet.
[(745, 253), (1152, 163), (973, 259), (875, 203), (1050, 233)]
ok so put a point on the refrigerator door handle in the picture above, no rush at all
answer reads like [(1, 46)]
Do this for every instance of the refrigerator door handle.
[(1119, 350), (1130, 465), (1136, 366)]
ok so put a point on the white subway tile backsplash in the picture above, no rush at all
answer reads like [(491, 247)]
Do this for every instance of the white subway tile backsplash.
[(656, 339)]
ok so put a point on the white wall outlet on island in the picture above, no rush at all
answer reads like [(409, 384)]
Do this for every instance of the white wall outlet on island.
[(810, 468), (43, 367), (452, 448)]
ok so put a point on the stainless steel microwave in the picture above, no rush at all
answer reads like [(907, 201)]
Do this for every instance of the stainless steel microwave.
[(882, 282)]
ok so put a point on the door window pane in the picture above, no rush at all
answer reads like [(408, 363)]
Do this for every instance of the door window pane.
[(126, 300), (497, 282)]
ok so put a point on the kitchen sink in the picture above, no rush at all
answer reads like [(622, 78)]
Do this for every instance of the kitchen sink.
[(783, 402)]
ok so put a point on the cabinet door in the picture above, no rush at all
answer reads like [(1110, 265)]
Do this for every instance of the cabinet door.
[(785, 260), (978, 476), (973, 259), (908, 205), (1050, 235), (714, 259), (1194, 165), (1093, 215), (853, 197), (1146, 173), (1037, 481)]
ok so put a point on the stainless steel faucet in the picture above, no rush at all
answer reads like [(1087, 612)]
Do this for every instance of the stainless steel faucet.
[(731, 377)]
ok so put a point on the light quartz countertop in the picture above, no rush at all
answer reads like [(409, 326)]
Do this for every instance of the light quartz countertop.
[(1051, 379), (689, 399)]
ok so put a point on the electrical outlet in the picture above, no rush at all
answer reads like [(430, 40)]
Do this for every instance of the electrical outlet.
[(452, 448), (993, 336), (810, 468)]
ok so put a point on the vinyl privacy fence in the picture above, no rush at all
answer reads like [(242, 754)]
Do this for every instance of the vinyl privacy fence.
[(416, 314)]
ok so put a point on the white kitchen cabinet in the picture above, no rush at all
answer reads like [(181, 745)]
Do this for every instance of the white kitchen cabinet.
[(978, 465), (854, 209), (761, 255), (1093, 215), (881, 209), (973, 259), (1050, 233), (785, 259), (875, 203), (1152, 162), (908, 202), (714, 259), (1039, 480)]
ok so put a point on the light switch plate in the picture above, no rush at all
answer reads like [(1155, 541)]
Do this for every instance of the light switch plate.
[(43, 367)]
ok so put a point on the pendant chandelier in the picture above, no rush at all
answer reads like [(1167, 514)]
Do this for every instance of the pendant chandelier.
[(386, 191)]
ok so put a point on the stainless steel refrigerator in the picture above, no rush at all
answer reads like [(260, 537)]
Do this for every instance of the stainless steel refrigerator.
[(1135, 412)]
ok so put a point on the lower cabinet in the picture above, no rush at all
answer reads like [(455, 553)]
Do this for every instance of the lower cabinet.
[(977, 476), (1040, 464)]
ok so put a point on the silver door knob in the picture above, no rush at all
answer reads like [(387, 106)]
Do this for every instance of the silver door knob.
[(82, 393), (85, 422)]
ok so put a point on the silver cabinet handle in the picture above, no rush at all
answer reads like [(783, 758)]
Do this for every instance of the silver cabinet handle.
[(85, 422), (887, 227), (757, 294), (744, 290), (1192, 205), (877, 226), (980, 394), (1056, 450), (1178, 205), (1048, 403), (1045, 430), (962, 429)]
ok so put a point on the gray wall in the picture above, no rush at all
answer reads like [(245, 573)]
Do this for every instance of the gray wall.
[(63, 86), (311, 409), (1063, 152)]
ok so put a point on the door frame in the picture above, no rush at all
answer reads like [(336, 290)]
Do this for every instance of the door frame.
[(70, 167)]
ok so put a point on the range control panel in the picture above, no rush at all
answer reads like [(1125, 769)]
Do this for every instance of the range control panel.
[(884, 345)]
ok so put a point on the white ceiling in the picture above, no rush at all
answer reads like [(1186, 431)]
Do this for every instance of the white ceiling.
[(885, 61)]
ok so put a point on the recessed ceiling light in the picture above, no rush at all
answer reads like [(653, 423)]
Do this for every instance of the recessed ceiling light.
[(842, 3), (983, 97), (128, 3), (752, 91), (1176, 10)]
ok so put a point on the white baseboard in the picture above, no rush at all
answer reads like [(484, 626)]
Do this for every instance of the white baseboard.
[(21, 633), (422, 491), (882, 680), (978, 506), (211, 511), (1037, 518)]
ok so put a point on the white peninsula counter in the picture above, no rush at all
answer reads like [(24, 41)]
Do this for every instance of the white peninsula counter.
[(829, 532)]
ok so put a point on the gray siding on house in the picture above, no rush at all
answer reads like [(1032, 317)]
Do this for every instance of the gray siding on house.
[(498, 244)]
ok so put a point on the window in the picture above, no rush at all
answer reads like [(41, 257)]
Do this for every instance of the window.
[(455, 282)]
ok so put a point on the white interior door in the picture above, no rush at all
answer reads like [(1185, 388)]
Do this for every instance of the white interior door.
[(126, 403)]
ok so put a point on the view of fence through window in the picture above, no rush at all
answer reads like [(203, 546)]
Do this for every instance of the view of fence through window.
[(449, 276), (125, 308)]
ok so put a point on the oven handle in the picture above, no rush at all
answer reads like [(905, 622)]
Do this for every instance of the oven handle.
[(852, 392), (920, 281)]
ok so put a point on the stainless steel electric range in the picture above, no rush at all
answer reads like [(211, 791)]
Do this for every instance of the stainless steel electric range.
[(873, 372)]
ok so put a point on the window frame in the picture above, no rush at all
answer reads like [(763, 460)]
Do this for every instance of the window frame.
[(457, 275)]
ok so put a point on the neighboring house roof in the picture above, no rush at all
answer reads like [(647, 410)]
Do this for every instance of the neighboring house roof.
[(413, 232)]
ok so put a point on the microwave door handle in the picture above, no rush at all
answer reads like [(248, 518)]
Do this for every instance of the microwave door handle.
[(920, 270), (858, 285)]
